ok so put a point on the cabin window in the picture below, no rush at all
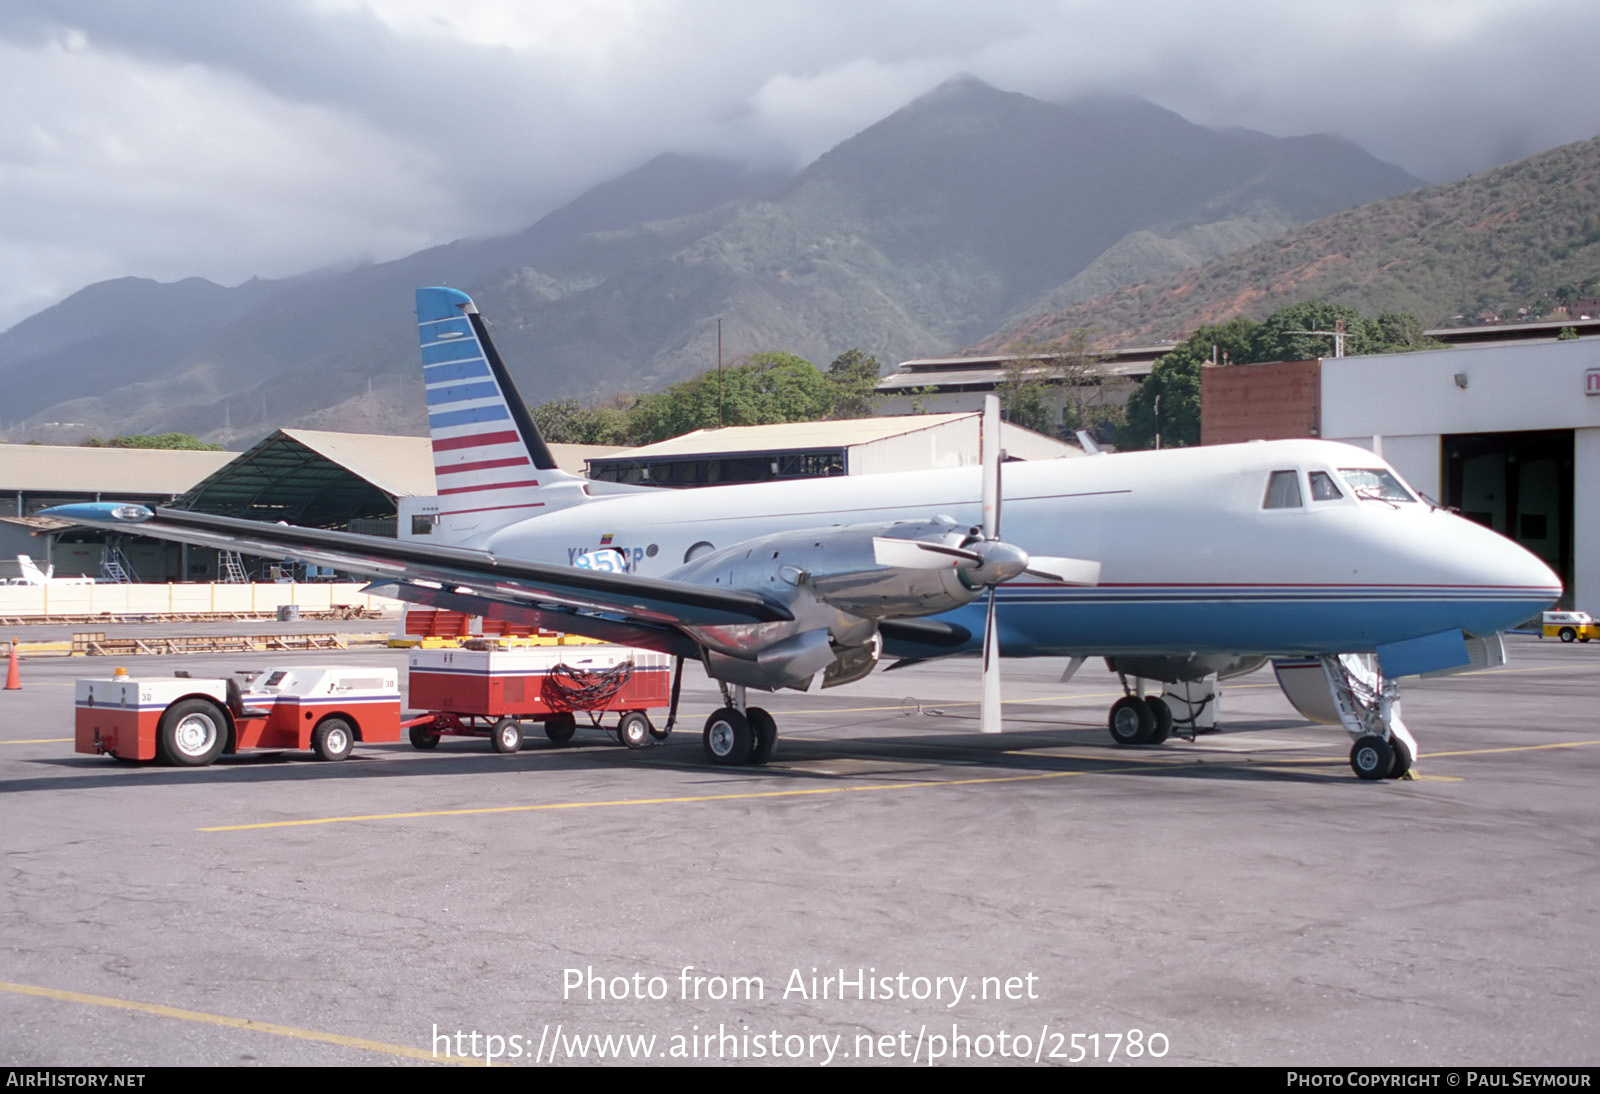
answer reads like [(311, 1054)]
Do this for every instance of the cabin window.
[(1323, 488), (1375, 483), (1283, 491)]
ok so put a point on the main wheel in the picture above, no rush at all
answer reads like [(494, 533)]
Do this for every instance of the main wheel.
[(192, 733), (1163, 716), (1402, 758), (1566, 634), (507, 736), (727, 737), (1131, 721), (333, 739), (424, 737), (1371, 757), (764, 731), (634, 730), (560, 728)]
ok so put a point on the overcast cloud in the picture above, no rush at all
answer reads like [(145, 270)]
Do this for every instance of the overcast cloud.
[(170, 138)]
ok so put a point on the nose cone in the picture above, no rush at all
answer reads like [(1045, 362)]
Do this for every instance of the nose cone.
[(1513, 583)]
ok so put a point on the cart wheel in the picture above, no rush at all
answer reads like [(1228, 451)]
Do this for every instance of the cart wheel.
[(192, 733), (424, 737), (560, 728), (333, 739), (634, 730), (507, 735)]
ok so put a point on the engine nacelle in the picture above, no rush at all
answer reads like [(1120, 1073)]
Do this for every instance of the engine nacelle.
[(831, 581), (838, 567)]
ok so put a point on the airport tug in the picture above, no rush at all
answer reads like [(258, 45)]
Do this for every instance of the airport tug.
[(190, 721)]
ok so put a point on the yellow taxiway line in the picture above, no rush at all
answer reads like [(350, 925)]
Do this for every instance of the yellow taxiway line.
[(239, 1023), (1131, 765)]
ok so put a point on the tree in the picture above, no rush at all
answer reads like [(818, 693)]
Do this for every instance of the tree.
[(147, 440), (1280, 337), (1066, 374), (768, 387), (1176, 379), (564, 421), (854, 378)]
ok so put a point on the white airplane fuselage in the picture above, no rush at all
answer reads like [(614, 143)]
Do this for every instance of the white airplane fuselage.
[(1191, 559)]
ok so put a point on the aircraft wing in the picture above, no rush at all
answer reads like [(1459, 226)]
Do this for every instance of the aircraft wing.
[(653, 602)]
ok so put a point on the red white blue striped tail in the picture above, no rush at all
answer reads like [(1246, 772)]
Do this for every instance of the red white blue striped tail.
[(490, 465)]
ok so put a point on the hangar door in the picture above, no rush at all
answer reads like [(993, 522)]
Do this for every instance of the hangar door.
[(1519, 484)]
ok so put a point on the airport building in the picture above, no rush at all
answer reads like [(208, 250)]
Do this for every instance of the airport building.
[(37, 476), (1508, 434), (797, 450)]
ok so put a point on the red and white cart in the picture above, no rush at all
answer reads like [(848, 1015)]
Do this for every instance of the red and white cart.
[(191, 721), (491, 691)]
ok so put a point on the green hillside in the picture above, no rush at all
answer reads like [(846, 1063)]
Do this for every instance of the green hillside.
[(1501, 239)]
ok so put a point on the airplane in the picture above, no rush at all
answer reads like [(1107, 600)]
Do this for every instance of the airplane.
[(1176, 566), (32, 575)]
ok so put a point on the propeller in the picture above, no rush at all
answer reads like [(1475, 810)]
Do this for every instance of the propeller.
[(1008, 561), (986, 560)]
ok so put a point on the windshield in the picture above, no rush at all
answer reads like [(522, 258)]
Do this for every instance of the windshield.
[(1376, 483)]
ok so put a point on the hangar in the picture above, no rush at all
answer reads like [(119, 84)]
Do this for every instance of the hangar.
[(1508, 434), (37, 476)]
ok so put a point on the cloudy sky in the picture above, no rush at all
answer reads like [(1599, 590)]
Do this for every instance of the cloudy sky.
[(170, 138)]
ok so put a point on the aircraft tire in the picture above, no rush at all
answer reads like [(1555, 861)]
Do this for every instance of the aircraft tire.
[(1163, 717), (333, 740), (727, 737), (764, 730), (560, 727), (1402, 758), (192, 733), (1131, 722), (1371, 757), (634, 730), (507, 736)]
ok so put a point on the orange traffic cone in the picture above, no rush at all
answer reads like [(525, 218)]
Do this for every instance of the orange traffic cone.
[(13, 675)]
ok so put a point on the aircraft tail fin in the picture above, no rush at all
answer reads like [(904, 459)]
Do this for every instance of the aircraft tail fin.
[(31, 572), (491, 466)]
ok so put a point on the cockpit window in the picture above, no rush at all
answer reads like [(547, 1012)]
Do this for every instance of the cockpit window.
[(1323, 488), (1283, 491), (1375, 483)]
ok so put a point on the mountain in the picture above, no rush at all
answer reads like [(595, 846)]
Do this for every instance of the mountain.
[(919, 235), (1494, 240), (133, 355)]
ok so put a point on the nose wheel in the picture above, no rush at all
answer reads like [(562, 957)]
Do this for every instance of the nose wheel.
[(1372, 757)]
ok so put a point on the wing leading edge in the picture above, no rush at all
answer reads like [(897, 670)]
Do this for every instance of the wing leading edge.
[(459, 571)]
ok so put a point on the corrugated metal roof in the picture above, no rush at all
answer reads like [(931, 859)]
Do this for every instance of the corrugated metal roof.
[(790, 436), (40, 468), (398, 466), (312, 476)]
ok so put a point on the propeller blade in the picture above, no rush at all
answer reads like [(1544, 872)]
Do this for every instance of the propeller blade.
[(1067, 571), (916, 554), (989, 447), (989, 709)]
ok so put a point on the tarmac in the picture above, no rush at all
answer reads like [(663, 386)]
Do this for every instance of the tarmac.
[(891, 888)]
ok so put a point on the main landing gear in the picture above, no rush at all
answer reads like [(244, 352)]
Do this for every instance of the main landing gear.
[(737, 734), (1140, 720)]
